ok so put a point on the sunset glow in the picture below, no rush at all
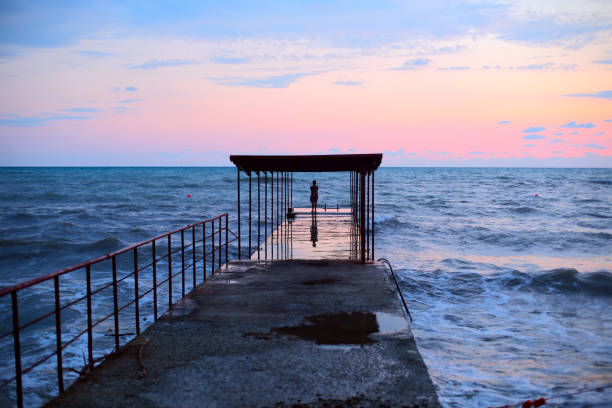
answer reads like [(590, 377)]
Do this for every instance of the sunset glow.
[(449, 83)]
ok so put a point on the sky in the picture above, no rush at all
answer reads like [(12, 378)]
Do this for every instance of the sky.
[(187, 83)]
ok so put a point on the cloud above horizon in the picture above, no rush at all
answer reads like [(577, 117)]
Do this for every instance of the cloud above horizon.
[(154, 64), (413, 64), (277, 81), (534, 137), (574, 125), (600, 94)]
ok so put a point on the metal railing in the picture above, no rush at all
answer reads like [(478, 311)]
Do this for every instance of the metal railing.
[(130, 268)]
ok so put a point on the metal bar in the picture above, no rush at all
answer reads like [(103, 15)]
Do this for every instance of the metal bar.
[(58, 335), (266, 215), (193, 255), (272, 215), (89, 319), (250, 223), (258, 216), (291, 201), (362, 215), (115, 305), (219, 244), (373, 215), (183, 262), (136, 294), (226, 240), (169, 271), (154, 282), (17, 348), (238, 183), (212, 240), (368, 217), (204, 250)]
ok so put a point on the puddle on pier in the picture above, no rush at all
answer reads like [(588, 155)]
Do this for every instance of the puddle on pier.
[(337, 330)]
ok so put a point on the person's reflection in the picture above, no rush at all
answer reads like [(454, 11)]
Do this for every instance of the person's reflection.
[(314, 232)]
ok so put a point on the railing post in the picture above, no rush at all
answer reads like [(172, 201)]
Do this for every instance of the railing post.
[(239, 237), (89, 319), (17, 348), (169, 271), (136, 294), (266, 215), (220, 234), (115, 304), (250, 222), (183, 263), (258, 217), (154, 281), (373, 215), (226, 240), (272, 214), (204, 249), (193, 254), (212, 251), (58, 335), (368, 216), (362, 215)]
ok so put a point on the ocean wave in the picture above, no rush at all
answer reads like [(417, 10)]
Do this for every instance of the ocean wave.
[(523, 210), (597, 215), (390, 221), (570, 280), (601, 182), (599, 235), (105, 245)]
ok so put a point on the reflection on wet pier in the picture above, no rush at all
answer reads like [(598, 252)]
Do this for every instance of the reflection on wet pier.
[(323, 235)]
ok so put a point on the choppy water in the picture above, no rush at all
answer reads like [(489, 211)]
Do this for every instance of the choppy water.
[(511, 292)]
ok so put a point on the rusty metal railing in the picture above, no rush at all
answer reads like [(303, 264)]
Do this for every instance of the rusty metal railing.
[(205, 249)]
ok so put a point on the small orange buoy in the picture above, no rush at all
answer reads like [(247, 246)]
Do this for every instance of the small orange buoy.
[(537, 195), (188, 195)]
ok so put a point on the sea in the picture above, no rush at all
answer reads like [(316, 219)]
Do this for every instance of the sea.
[(506, 271)]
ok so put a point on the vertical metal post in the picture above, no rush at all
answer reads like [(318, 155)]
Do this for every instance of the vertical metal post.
[(136, 294), (373, 215), (220, 232), (266, 214), (89, 320), (169, 271), (204, 250), (272, 214), (183, 263), (291, 201), (250, 215), (362, 215), (368, 217), (212, 251), (58, 335), (193, 254), (17, 349), (154, 281), (115, 305), (226, 240), (258, 216), (239, 236)]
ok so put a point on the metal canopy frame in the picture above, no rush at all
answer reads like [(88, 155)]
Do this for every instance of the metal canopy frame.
[(361, 168)]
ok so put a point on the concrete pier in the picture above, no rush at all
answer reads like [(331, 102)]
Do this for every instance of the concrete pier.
[(271, 334)]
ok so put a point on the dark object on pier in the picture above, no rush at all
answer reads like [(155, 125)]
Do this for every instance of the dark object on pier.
[(359, 166)]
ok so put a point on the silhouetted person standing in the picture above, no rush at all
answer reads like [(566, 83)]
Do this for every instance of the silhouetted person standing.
[(314, 195)]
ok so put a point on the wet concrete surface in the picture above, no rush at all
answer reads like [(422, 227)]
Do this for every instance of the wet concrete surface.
[(257, 335)]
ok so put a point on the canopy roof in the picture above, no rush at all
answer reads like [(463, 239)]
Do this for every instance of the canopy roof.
[(308, 163)]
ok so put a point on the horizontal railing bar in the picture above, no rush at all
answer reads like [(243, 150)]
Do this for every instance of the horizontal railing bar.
[(51, 275)]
